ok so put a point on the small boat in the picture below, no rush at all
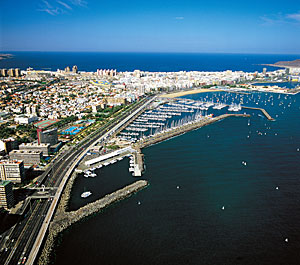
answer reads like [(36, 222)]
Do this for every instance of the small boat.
[(86, 194), (131, 169)]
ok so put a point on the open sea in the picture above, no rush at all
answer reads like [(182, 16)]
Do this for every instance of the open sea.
[(91, 61), (187, 225)]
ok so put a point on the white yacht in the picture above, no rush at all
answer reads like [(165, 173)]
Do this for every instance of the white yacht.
[(86, 194)]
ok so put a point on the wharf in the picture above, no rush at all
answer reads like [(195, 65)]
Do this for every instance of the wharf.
[(268, 116), (185, 128)]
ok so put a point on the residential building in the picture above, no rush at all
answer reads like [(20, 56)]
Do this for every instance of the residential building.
[(8, 144), (12, 170), (44, 148), (6, 194), (29, 157)]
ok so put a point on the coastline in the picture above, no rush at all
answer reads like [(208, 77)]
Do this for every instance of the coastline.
[(188, 92)]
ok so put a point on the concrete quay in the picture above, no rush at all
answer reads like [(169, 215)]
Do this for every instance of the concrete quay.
[(183, 129), (63, 219), (268, 116)]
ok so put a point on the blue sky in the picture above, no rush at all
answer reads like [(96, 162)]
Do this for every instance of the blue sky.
[(231, 26)]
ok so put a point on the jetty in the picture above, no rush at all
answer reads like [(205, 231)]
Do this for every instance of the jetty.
[(182, 129), (268, 116)]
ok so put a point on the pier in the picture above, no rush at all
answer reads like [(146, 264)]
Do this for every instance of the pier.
[(268, 116), (183, 129)]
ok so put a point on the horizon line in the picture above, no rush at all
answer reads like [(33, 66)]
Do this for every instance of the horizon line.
[(153, 52)]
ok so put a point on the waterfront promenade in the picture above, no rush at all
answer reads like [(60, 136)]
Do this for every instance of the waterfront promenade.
[(188, 92)]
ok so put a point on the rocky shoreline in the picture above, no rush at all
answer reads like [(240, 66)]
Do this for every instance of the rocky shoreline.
[(63, 219)]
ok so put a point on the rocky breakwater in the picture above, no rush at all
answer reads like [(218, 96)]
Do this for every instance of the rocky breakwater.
[(63, 219)]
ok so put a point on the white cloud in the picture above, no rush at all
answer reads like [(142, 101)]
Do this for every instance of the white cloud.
[(65, 5), (179, 18), (279, 19), (57, 7), (294, 16), (78, 2)]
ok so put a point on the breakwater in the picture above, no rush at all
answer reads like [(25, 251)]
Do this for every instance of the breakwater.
[(268, 116), (63, 219), (183, 129)]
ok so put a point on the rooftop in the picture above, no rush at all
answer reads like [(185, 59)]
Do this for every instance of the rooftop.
[(4, 182), (11, 162), (45, 123)]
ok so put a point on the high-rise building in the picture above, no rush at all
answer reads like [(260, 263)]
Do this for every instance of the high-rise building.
[(11, 72), (12, 170), (6, 194), (47, 137), (4, 72), (17, 72), (75, 69), (67, 69), (264, 71)]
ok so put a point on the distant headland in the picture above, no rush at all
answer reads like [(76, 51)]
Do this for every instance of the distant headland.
[(286, 64), (5, 56)]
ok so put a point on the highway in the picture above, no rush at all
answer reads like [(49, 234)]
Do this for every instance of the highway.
[(23, 236)]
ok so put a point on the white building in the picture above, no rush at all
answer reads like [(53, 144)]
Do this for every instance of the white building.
[(23, 119)]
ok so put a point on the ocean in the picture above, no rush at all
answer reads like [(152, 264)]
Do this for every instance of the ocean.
[(91, 61), (179, 219)]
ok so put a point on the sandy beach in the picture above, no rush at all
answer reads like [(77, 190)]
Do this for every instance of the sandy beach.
[(189, 92)]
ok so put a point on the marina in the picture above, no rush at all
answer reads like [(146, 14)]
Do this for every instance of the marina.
[(175, 117)]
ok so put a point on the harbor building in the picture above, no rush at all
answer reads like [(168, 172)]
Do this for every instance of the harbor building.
[(6, 194), (12, 170), (44, 148), (29, 157), (47, 137)]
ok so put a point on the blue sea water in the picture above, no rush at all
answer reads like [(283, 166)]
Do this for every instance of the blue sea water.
[(91, 61), (187, 225)]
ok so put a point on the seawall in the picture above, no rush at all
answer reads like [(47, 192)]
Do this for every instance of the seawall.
[(63, 219)]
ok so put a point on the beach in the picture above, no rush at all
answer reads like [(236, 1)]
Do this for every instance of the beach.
[(189, 92)]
